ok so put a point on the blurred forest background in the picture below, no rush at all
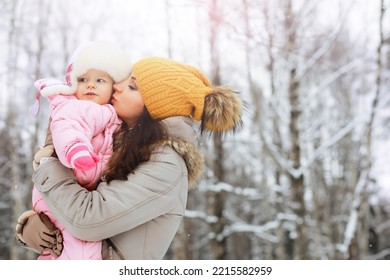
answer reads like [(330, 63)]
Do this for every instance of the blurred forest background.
[(307, 177)]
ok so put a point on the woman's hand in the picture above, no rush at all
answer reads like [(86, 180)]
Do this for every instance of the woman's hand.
[(47, 150), (37, 232)]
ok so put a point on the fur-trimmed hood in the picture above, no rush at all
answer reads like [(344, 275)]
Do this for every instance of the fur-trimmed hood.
[(192, 157), (183, 139)]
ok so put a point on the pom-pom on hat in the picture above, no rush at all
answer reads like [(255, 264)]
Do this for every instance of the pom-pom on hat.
[(170, 88)]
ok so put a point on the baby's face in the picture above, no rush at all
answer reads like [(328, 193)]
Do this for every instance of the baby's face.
[(96, 86)]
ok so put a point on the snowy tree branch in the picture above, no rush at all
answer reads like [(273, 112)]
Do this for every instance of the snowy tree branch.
[(262, 231), (252, 193), (336, 138), (337, 74), (382, 227), (353, 218), (200, 215), (380, 255)]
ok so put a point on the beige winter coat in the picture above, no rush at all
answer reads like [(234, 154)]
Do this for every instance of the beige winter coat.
[(139, 216)]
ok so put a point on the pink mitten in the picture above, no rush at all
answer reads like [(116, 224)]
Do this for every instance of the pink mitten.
[(81, 158), (50, 87)]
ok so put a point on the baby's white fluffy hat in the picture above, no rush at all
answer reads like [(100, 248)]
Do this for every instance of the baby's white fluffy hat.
[(100, 56), (93, 55)]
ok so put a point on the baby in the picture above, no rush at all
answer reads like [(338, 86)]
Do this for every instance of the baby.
[(82, 125)]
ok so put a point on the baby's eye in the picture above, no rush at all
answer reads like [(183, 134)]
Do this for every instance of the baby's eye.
[(101, 80), (81, 79), (131, 87)]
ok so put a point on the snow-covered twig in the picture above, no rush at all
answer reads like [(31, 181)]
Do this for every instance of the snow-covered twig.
[(353, 217), (337, 74), (297, 172), (380, 255), (332, 141), (382, 227), (251, 193), (260, 231), (200, 215)]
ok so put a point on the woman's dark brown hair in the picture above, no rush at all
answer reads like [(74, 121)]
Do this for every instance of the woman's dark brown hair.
[(133, 146)]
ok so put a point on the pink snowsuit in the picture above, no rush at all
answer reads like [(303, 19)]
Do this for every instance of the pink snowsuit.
[(79, 121)]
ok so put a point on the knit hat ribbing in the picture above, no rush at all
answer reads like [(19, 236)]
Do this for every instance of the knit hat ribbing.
[(170, 88)]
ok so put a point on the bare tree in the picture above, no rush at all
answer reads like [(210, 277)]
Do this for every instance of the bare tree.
[(216, 200)]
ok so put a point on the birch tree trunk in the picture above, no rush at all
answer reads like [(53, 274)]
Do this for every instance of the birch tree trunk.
[(297, 180), (14, 143), (362, 231), (280, 249), (217, 199), (359, 245)]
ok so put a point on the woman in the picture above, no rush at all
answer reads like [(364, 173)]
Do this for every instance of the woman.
[(139, 205)]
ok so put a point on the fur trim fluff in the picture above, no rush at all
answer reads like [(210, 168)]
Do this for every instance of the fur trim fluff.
[(193, 158), (222, 110)]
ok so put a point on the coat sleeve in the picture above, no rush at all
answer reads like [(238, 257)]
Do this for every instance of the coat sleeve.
[(74, 121), (114, 208)]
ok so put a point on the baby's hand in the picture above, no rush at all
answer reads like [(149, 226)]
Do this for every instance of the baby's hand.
[(50, 87), (81, 158)]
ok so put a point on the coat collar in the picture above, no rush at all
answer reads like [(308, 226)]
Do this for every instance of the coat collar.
[(192, 157)]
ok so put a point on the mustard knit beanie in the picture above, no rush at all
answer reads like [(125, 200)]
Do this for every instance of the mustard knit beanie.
[(170, 88)]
